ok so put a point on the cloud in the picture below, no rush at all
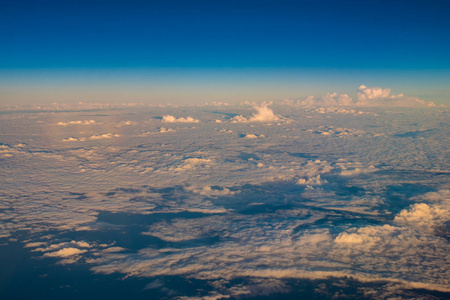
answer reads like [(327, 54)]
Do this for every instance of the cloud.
[(156, 284), (330, 99), (237, 208), (103, 136), (367, 96), (423, 215), (6, 151), (211, 191), (172, 119), (263, 114), (126, 123), (355, 168), (65, 252), (340, 132), (92, 138), (339, 110), (163, 130), (193, 163), (79, 122), (251, 136), (312, 181), (377, 96)]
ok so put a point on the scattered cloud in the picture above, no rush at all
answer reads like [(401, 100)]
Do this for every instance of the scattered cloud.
[(103, 136), (65, 252), (211, 191), (263, 114), (163, 130), (79, 122), (377, 96), (172, 119), (355, 168), (367, 96), (92, 138), (424, 215), (330, 99), (312, 181)]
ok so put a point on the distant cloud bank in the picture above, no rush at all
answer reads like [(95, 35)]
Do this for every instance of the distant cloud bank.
[(172, 119), (366, 96), (377, 96)]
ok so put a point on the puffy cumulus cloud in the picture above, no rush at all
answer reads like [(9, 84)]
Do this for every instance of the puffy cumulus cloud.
[(6, 151), (372, 93), (340, 132), (172, 119), (339, 110), (367, 236), (103, 136), (193, 163), (65, 252), (330, 99), (312, 181), (423, 215), (163, 130), (263, 114), (404, 251), (377, 96), (354, 168), (316, 167), (92, 138), (211, 191), (126, 123), (79, 122), (252, 136), (72, 139), (45, 247)]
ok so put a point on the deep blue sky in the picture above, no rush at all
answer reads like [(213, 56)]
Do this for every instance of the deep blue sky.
[(60, 39)]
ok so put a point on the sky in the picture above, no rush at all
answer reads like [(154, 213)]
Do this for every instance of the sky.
[(197, 51)]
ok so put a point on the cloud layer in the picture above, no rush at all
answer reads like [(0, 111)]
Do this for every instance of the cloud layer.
[(325, 200)]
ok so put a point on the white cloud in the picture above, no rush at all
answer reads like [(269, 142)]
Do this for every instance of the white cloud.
[(355, 168), (330, 99), (263, 114), (103, 136), (172, 119), (71, 139), (65, 252), (367, 96), (423, 215), (211, 191), (312, 181), (193, 163), (252, 136), (79, 122), (92, 138), (126, 123), (340, 132), (163, 130), (377, 96), (264, 223), (7, 151)]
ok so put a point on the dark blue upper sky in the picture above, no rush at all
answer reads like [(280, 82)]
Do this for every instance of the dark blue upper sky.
[(209, 34)]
